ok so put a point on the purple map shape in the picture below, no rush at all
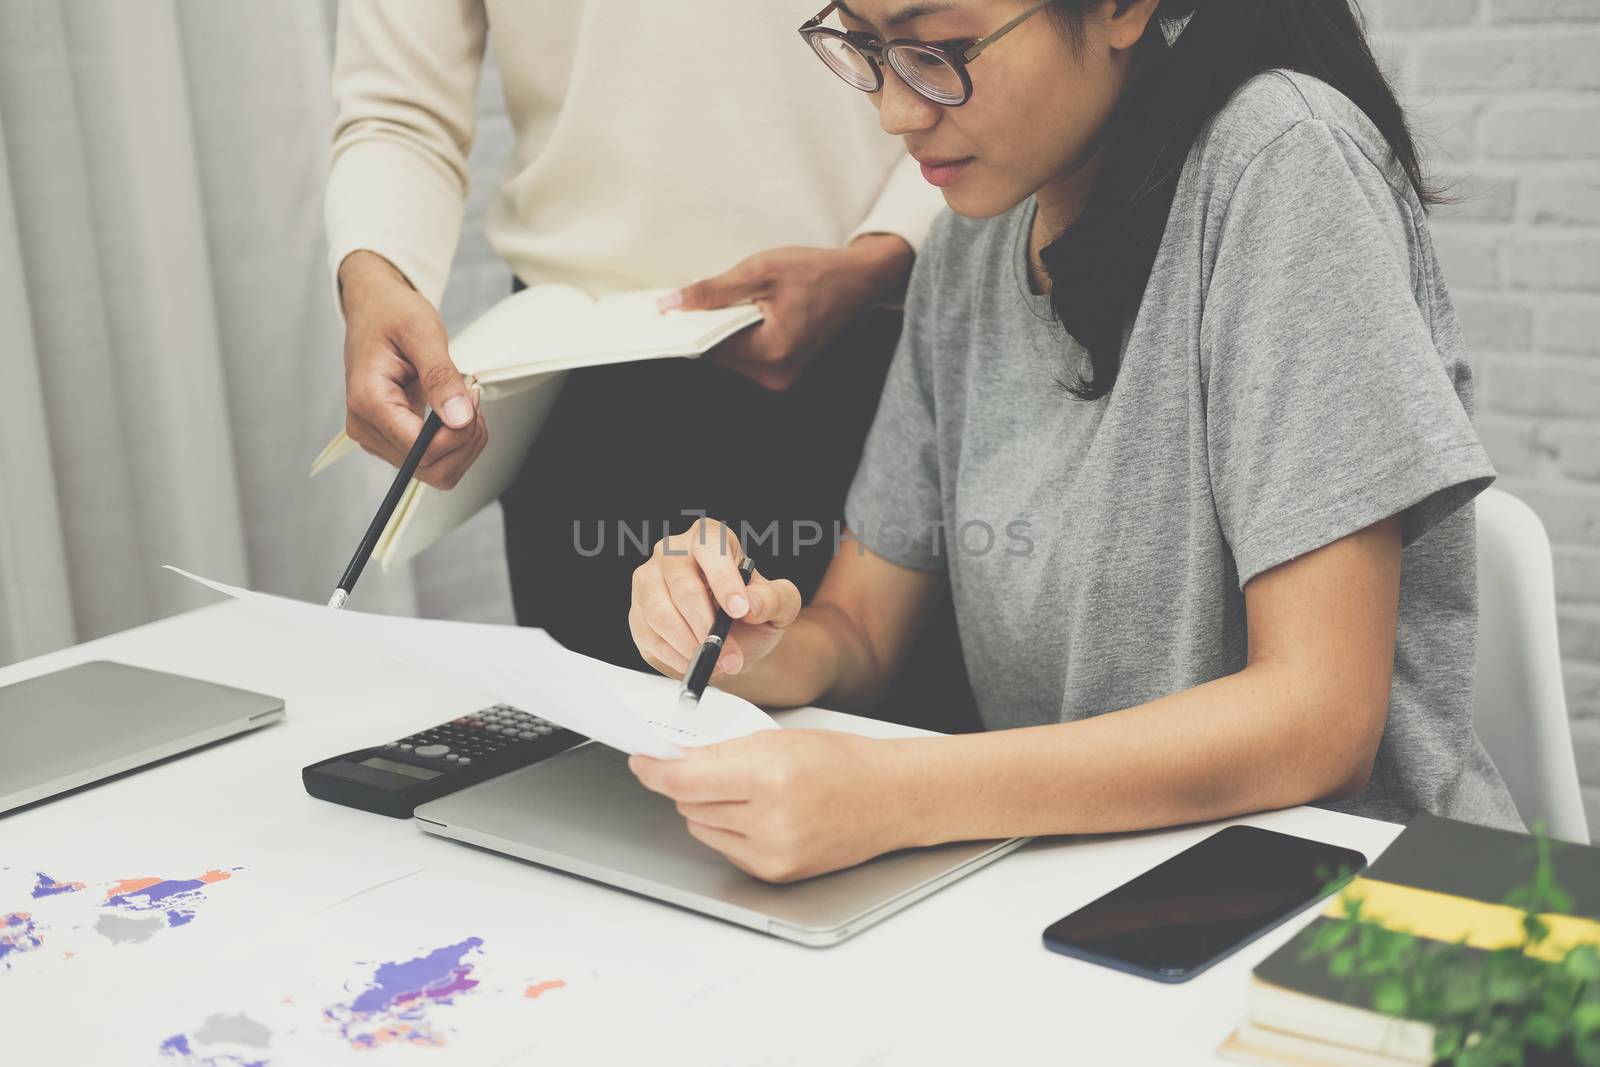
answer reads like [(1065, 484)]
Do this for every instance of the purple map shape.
[(178, 1046), (394, 1006), (178, 897), (436, 976), (18, 933), (49, 887)]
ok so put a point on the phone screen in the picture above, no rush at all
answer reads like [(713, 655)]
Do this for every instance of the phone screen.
[(1175, 920)]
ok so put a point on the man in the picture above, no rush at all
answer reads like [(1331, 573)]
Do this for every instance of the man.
[(657, 143)]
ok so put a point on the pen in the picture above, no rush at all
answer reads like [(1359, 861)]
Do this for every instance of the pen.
[(341, 592), (705, 661)]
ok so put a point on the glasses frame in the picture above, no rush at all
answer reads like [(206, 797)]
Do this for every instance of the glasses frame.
[(877, 53)]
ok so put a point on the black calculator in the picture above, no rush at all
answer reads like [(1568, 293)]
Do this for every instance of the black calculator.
[(393, 779)]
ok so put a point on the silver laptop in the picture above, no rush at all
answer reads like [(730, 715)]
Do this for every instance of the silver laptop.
[(583, 812), (85, 723)]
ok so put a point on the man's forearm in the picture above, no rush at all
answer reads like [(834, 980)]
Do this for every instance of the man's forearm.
[(360, 271), (886, 261)]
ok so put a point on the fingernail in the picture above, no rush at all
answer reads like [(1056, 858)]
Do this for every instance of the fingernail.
[(730, 664), (457, 412), (738, 605), (670, 301)]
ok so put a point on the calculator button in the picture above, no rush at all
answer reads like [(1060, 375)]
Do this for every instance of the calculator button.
[(465, 760), (433, 750), (405, 748), (452, 757), (392, 744)]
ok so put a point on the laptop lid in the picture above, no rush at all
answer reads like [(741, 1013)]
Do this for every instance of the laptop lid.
[(88, 722), (583, 812)]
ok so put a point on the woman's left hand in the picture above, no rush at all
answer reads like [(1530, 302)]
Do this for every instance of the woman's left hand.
[(806, 296), (787, 804)]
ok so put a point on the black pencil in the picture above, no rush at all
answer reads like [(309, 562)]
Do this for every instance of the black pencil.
[(402, 478)]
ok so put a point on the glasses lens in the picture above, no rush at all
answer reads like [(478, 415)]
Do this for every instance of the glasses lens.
[(843, 59), (928, 72)]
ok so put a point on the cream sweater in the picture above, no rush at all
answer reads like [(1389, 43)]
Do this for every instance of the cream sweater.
[(657, 141)]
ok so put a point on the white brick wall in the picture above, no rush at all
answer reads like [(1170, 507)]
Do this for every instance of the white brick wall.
[(1507, 95)]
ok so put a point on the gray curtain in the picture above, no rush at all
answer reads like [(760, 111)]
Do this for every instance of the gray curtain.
[(171, 355)]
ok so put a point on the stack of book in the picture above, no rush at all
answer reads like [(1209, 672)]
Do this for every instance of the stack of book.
[(1446, 883)]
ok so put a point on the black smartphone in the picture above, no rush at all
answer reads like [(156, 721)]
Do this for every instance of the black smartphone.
[(1202, 905)]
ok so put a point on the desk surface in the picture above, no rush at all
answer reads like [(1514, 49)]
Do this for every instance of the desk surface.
[(610, 978)]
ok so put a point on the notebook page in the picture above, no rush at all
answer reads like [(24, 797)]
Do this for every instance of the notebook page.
[(503, 336), (626, 327)]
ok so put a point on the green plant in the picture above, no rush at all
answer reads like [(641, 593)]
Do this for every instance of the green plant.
[(1499, 1008)]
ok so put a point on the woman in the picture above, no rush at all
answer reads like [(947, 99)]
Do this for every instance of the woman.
[(1181, 385)]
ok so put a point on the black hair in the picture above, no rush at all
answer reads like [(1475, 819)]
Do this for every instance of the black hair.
[(1100, 266)]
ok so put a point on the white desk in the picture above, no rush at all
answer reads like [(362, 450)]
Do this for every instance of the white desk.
[(959, 975)]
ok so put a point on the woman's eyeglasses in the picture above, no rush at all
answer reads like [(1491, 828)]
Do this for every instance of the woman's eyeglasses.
[(936, 70)]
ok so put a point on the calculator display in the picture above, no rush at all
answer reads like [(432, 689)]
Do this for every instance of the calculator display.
[(400, 768)]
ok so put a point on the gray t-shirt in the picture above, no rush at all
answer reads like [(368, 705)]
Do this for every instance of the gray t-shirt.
[(1295, 374)]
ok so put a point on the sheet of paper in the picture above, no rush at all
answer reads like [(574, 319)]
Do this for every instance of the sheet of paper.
[(531, 670)]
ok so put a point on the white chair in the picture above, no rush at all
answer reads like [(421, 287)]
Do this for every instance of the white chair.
[(1521, 707)]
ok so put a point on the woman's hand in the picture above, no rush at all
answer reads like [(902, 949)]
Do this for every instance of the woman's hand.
[(806, 295), (395, 360), (788, 804), (673, 608)]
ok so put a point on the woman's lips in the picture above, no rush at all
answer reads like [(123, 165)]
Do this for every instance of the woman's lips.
[(942, 174)]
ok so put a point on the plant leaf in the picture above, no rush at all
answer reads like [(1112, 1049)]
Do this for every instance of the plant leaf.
[(1447, 1040), (1390, 997), (1542, 1030), (1583, 963)]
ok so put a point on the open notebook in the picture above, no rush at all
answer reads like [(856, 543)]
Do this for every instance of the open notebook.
[(518, 352)]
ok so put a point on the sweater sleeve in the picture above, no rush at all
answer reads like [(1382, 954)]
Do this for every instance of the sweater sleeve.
[(405, 79), (906, 206)]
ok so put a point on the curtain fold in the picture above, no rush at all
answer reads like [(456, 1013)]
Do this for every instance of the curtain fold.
[(170, 359), (35, 610)]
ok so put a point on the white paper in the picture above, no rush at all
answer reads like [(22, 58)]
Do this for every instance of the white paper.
[(529, 669)]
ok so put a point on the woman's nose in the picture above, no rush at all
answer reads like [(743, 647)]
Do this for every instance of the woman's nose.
[(903, 110)]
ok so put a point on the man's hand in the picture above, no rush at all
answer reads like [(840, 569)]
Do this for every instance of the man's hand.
[(806, 296), (396, 360)]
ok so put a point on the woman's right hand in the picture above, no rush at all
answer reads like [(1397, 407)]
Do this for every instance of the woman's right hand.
[(396, 359), (673, 607)]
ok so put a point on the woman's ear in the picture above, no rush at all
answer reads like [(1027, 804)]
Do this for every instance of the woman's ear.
[(1126, 21)]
